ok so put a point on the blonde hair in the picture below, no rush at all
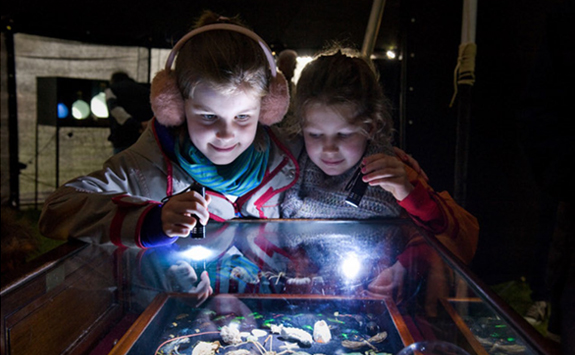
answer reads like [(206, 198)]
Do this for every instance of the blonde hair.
[(227, 61), (340, 76)]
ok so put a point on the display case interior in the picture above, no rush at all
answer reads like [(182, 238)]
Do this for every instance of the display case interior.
[(263, 287), (260, 324)]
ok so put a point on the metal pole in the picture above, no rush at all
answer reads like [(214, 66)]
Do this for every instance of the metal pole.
[(372, 28), (468, 26), (12, 120)]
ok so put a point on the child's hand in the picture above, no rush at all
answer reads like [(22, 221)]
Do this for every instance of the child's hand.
[(177, 219), (389, 282), (387, 172), (203, 289), (408, 159)]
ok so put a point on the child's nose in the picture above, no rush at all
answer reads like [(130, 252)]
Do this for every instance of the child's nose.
[(329, 146), (224, 131)]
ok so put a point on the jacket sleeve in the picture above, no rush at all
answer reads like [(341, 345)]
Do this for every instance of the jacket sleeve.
[(439, 214), (109, 205)]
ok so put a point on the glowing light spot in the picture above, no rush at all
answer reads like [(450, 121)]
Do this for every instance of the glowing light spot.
[(63, 110), (390, 54), (98, 105), (350, 266), (80, 109), (197, 253), (301, 63)]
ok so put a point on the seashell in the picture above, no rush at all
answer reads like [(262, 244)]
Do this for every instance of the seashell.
[(378, 338), (239, 352), (242, 274), (299, 335), (299, 281), (321, 332), (258, 333), (276, 329), (206, 348), (174, 345)]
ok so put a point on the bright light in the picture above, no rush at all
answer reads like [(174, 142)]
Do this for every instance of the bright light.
[(98, 105), (197, 253), (80, 110), (301, 63), (350, 266), (62, 110), (390, 54)]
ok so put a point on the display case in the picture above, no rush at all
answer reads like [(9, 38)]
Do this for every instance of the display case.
[(274, 287)]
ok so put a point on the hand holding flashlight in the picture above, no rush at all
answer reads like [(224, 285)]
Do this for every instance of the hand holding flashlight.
[(186, 211)]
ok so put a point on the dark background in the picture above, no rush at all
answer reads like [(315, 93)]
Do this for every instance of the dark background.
[(501, 189)]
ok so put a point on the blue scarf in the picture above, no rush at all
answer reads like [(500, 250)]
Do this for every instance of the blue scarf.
[(240, 176)]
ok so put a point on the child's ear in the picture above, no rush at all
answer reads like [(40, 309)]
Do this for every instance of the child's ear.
[(275, 104), (166, 99)]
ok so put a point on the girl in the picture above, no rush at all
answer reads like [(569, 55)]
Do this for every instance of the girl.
[(344, 118), (210, 113)]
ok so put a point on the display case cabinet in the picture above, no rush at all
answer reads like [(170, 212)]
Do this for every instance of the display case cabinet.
[(262, 287)]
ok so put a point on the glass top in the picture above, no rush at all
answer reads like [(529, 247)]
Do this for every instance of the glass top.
[(310, 287), (265, 287)]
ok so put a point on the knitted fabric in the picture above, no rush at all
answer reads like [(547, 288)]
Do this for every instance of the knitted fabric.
[(236, 178), (317, 195)]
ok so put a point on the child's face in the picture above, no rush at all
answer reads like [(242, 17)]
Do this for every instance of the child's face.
[(332, 143), (222, 126)]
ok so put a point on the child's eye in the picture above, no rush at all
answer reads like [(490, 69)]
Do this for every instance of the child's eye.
[(243, 117), (209, 117), (314, 135), (344, 135)]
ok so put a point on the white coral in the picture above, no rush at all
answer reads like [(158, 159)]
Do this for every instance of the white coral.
[(230, 335), (206, 348)]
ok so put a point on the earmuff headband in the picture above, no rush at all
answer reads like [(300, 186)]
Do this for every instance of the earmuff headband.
[(167, 101), (227, 27)]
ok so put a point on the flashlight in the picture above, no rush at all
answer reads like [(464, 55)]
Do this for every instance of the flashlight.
[(199, 230), (356, 187)]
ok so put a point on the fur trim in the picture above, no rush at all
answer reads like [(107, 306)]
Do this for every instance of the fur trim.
[(166, 99), (276, 103), (169, 107)]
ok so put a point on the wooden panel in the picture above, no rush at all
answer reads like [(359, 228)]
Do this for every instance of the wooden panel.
[(52, 328), (463, 328), (66, 305)]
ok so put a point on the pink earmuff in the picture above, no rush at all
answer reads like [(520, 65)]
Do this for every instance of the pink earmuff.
[(168, 103)]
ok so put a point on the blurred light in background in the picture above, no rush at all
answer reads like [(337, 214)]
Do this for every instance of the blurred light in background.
[(62, 110), (98, 105), (301, 63), (80, 109)]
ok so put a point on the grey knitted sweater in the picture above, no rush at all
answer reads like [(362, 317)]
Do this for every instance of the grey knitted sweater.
[(317, 195)]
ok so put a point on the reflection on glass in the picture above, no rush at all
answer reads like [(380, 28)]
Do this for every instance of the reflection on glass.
[(80, 109), (197, 253), (432, 348), (62, 110), (368, 287), (98, 105), (350, 266)]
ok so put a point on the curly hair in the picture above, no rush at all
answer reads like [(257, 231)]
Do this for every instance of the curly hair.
[(341, 76)]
